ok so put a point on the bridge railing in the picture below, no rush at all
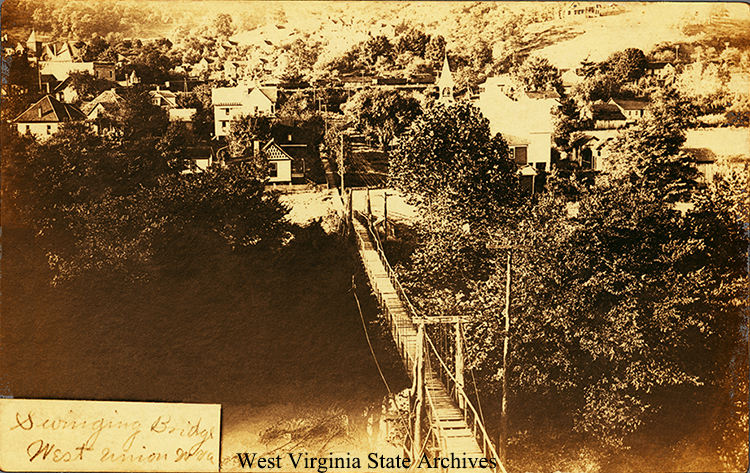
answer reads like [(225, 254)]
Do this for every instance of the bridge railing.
[(393, 320), (470, 414), (471, 417)]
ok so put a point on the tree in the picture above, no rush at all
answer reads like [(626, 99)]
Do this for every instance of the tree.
[(21, 80), (95, 48), (609, 307), (649, 151), (382, 113), (200, 99), (449, 155), (87, 85), (377, 53), (628, 65), (414, 41), (434, 51), (246, 134), (538, 74), (223, 26)]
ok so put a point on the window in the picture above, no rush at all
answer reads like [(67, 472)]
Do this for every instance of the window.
[(28, 128), (541, 166), (519, 155), (223, 125), (256, 109), (226, 111), (49, 129), (274, 170)]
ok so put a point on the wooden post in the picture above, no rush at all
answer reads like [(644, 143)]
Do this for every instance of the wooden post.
[(419, 394), (369, 205), (385, 213), (459, 366), (503, 441), (350, 211), (342, 164)]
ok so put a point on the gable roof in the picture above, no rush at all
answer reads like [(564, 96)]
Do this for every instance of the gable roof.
[(606, 112), (275, 153), (236, 95), (63, 85), (50, 110), (108, 98), (630, 104)]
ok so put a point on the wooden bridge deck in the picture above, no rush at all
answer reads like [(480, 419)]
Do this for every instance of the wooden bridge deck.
[(448, 420)]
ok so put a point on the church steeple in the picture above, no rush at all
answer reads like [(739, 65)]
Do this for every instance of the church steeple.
[(445, 83), (34, 45)]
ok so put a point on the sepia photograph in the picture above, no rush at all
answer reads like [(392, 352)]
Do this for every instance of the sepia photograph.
[(374, 236)]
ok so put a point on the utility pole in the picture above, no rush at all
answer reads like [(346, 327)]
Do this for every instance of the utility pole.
[(459, 365), (503, 443), (369, 204), (341, 164), (385, 213), (419, 392)]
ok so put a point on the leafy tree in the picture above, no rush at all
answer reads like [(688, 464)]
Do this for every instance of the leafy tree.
[(414, 41), (244, 133), (200, 99), (377, 49), (151, 61), (628, 65), (448, 155), (87, 85), (650, 150), (94, 49), (223, 25), (302, 56), (609, 306), (538, 74), (21, 81), (434, 51), (382, 113)]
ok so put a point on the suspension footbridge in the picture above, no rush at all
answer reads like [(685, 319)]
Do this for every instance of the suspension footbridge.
[(444, 423)]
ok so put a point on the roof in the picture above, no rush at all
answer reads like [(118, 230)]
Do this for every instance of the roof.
[(657, 65), (63, 85), (50, 110), (446, 77), (545, 94), (108, 97), (514, 140), (607, 112), (237, 95), (701, 155), (630, 104), (181, 114), (275, 153)]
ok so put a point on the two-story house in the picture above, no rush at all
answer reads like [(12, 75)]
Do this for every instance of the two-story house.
[(247, 98)]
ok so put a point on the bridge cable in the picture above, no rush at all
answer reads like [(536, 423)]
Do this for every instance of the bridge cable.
[(364, 326), (474, 380)]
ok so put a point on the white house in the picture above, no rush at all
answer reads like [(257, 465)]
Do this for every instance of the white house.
[(524, 120), (279, 164), (44, 118), (163, 98), (279, 161), (247, 98)]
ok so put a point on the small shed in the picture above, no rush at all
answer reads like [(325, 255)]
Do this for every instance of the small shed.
[(279, 164)]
